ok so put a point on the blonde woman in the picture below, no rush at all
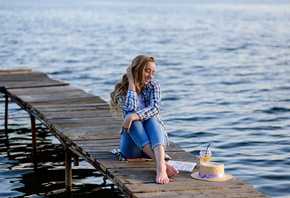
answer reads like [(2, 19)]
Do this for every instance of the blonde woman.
[(137, 98)]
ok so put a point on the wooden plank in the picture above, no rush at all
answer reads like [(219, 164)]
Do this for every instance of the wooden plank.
[(88, 126), (79, 114), (69, 105), (45, 90), (216, 193), (86, 130), (104, 155), (98, 143), (68, 101), (97, 136), (115, 145), (93, 149), (182, 155), (186, 185), (28, 84), (115, 172), (142, 175), (89, 99), (21, 75), (80, 120), (42, 96), (15, 70), (113, 164), (74, 108), (65, 114), (56, 97), (27, 80), (112, 143)]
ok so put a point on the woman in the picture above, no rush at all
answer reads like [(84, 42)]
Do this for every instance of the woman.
[(137, 98)]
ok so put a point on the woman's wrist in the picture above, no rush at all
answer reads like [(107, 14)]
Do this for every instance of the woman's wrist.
[(131, 86), (134, 116)]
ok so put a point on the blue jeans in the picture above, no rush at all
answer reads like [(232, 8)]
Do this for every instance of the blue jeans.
[(140, 134)]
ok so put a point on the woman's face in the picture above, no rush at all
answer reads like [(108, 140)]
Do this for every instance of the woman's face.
[(148, 73)]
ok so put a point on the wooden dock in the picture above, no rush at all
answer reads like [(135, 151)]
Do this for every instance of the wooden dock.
[(84, 125)]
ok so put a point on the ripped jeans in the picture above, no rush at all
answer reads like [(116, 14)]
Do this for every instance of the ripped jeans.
[(140, 134)]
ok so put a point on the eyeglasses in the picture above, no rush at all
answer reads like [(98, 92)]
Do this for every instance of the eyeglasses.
[(150, 73)]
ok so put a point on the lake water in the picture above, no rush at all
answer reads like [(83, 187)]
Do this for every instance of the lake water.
[(224, 70)]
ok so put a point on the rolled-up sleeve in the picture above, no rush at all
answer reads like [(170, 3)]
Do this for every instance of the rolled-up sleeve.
[(155, 102), (131, 102)]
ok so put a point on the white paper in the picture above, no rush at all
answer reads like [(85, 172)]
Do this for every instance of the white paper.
[(182, 166)]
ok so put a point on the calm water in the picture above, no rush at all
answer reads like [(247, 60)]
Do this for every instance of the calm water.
[(223, 68)]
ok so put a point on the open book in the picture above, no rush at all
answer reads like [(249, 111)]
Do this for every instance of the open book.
[(182, 166)]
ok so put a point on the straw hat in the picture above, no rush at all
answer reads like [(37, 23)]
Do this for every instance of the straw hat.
[(211, 171)]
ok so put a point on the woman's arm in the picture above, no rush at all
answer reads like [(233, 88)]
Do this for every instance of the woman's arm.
[(128, 121), (131, 99), (155, 102), (131, 102)]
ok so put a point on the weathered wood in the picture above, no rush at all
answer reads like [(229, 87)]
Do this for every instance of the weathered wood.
[(74, 109), (80, 120), (27, 79), (216, 193), (68, 105), (76, 160), (33, 130), (21, 76), (90, 149), (72, 100), (85, 126), (186, 185), (88, 129), (114, 172), (182, 155), (108, 164), (68, 170), (56, 97), (45, 90), (15, 70), (104, 155), (98, 143), (142, 175), (6, 112), (98, 136), (15, 85)]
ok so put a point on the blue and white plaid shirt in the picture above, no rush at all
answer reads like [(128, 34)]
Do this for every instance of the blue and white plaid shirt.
[(151, 95)]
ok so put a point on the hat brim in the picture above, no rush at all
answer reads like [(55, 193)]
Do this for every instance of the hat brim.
[(226, 177)]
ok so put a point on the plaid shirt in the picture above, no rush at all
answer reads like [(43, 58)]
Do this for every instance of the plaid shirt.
[(151, 95)]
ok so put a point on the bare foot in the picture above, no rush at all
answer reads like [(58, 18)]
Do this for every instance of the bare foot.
[(161, 177), (170, 170)]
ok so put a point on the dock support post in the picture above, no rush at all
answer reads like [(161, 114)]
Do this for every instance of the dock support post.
[(68, 170), (33, 130), (6, 113), (76, 160)]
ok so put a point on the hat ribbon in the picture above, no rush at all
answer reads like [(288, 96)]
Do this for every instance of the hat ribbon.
[(210, 176)]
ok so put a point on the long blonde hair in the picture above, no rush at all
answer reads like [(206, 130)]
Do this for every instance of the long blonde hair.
[(121, 88)]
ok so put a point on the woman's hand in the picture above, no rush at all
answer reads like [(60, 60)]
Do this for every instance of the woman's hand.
[(129, 73), (128, 121), (126, 124), (130, 78)]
